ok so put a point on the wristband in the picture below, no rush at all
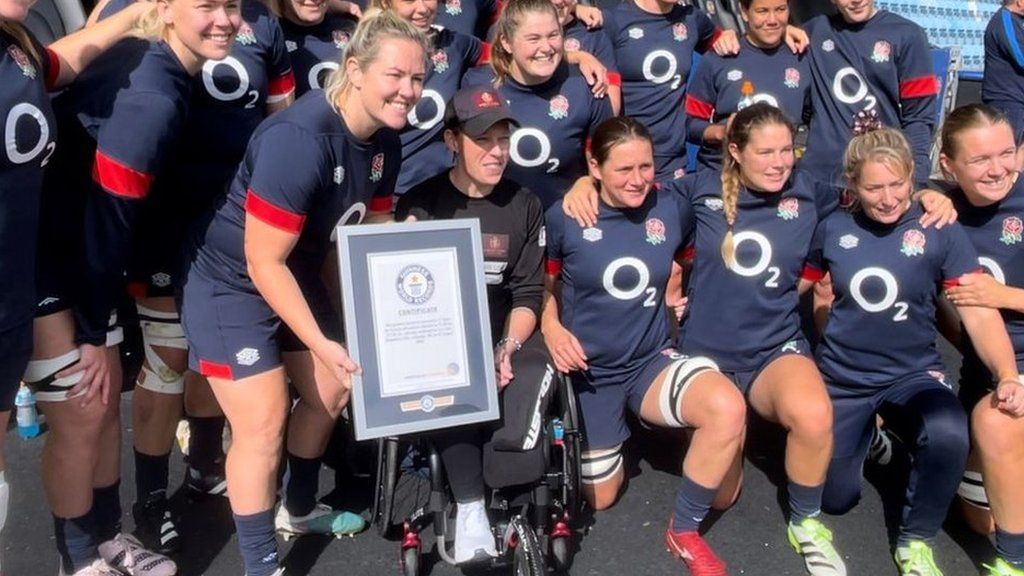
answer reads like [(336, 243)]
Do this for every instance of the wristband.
[(512, 339)]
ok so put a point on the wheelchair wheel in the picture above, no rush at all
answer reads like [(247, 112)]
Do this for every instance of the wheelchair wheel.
[(387, 476), (411, 562), (528, 558), (572, 454)]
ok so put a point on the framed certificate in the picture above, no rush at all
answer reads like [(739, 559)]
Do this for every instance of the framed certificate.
[(417, 322)]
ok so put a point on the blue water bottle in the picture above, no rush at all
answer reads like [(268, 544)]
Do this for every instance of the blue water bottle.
[(28, 417)]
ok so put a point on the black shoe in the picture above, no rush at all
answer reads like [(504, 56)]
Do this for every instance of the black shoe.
[(206, 484), (155, 526)]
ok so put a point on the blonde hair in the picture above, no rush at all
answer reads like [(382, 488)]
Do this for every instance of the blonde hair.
[(374, 27), (511, 18), (21, 38), (884, 145), (743, 124)]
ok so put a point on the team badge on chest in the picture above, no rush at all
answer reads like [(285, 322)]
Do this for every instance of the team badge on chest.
[(572, 45), (913, 243), (453, 7), (655, 229), (21, 59), (881, 52), (679, 32), (792, 79), (678, 173), (245, 35), (789, 209), (377, 167), (559, 107), (340, 38), (1012, 230), (440, 61)]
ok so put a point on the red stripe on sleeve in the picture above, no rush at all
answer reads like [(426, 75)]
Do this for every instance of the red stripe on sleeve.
[(118, 179), (485, 54), (553, 267), (268, 213), (812, 273), (52, 70), (689, 253), (215, 370), (137, 290), (615, 79), (698, 108), (710, 41), (282, 85), (381, 203), (919, 87), (954, 282)]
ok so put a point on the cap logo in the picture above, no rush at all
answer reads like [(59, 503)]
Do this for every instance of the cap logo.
[(487, 100)]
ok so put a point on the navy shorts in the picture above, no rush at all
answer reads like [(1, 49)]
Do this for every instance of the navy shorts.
[(603, 401), (157, 263), (854, 407), (744, 379), (233, 334), (15, 350)]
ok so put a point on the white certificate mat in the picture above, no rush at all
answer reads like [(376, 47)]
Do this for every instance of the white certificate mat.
[(418, 318)]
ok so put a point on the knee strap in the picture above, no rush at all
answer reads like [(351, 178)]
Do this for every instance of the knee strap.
[(115, 334), (681, 375), (160, 329), (41, 377), (972, 490), (597, 466)]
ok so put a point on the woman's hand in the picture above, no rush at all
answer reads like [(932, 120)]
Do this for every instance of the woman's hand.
[(565, 349), (1009, 396), (590, 16), (797, 40), (336, 359), (727, 44), (503, 363), (938, 209), (594, 72), (580, 202), (679, 307), (96, 374), (978, 290)]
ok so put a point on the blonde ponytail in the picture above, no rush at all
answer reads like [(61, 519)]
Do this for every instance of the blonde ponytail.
[(150, 26), (730, 200)]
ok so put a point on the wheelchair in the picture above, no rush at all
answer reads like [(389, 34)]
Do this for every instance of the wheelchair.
[(530, 521)]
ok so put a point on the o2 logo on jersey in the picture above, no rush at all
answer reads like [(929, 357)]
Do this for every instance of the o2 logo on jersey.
[(640, 286), (354, 215), (764, 258), (319, 72), (993, 268), (668, 70), (238, 72), (439, 107), (849, 87), (1012, 230), (17, 154), (542, 155), (889, 294)]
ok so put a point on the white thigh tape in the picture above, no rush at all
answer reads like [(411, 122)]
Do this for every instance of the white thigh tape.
[(599, 465), (160, 329), (972, 489), (40, 377), (680, 375)]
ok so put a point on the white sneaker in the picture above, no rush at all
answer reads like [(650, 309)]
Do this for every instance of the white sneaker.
[(97, 568), (322, 520), (473, 536), (128, 556)]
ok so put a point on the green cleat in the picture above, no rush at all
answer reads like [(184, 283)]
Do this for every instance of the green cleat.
[(916, 559), (322, 520), (813, 541), (1002, 568)]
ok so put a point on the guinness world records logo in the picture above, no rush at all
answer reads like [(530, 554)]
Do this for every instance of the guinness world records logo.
[(415, 284)]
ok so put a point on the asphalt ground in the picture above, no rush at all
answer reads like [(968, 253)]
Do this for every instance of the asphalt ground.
[(626, 539)]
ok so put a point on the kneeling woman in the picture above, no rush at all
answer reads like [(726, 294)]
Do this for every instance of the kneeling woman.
[(254, 302), (619, 269), (477, 131), (878, 353)]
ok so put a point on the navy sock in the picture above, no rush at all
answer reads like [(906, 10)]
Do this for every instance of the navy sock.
[(150, 474), (76, 541), (206, 443), (106, 510), (804, 501), (692, 504), (303, 483), (1010, 547), (256, 542)]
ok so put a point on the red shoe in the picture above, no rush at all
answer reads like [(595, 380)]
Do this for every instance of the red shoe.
[(695, 552)]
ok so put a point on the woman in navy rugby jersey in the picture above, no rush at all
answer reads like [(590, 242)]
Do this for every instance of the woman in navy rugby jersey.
[(878, 353), (315, 36), (581, 27), (254, 300), (979, 155), (27, 72)]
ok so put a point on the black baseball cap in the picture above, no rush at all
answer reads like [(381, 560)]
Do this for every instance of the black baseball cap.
[(474, 109)]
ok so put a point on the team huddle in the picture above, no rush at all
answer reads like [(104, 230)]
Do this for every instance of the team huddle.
[(197, 155)]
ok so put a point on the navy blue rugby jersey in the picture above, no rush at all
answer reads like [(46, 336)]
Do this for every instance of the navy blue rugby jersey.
[(316, 50), (469, 17), (134, 115), (303, 173), (997, 231), (614, 276), (423, 151), (723, 86), (556, 118), (738, 315), (883, 65), (654, 53), (30, 138), (1003, 83), (886, 278), (579, 38)]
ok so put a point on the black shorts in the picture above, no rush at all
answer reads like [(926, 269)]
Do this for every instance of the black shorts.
[(15, 350)]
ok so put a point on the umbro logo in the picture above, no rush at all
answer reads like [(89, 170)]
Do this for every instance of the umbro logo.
[(636, 33), (848, 241), (290, 45), (339, 174), (715, 204), (161, 279), (247, 356), (592, 234)]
